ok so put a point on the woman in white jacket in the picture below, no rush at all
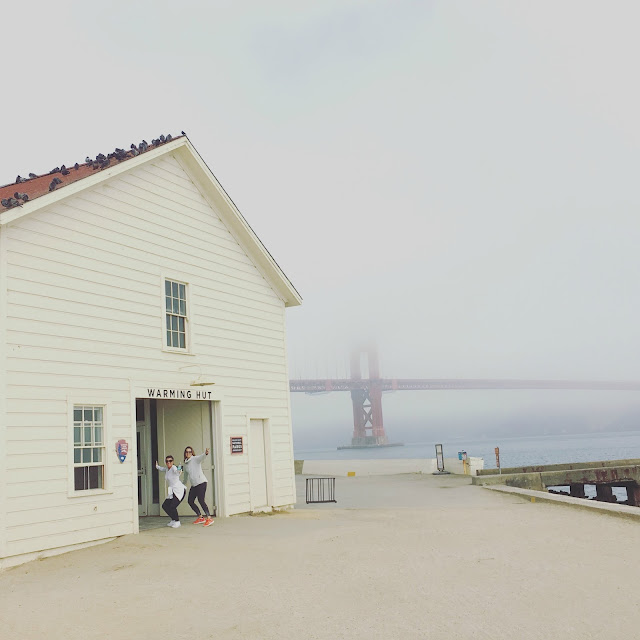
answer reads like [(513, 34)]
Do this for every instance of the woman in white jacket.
[(193, 466), (175, 492)]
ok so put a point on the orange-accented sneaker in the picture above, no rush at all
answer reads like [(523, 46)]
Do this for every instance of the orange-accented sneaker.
[(208, 522), (200, 520)]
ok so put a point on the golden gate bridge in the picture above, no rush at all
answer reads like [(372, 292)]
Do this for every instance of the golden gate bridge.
[(366, 393)]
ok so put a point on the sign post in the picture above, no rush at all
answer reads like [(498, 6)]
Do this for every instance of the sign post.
[(497, 451), (440, 460)]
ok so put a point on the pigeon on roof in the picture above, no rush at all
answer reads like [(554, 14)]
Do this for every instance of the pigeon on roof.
[(38, 184)]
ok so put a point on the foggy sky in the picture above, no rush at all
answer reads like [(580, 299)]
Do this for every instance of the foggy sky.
[(456, 180)]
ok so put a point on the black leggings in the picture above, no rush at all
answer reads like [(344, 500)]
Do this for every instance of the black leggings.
[(170, 506), (198, 492)]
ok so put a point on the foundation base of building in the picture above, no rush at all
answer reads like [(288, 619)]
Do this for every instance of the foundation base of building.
[(14, 561)]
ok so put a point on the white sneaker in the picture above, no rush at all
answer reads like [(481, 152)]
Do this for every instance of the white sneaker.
[(170, 524), (175, 524)]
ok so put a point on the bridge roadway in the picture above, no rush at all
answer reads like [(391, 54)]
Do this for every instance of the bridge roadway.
[(440, 384)]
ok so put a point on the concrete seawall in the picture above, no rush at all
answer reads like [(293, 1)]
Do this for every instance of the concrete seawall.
[(564, 466), (603, 475), (383, 467)]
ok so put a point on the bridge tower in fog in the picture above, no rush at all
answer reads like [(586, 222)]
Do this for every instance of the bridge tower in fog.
[(366, 393), (368, 426)]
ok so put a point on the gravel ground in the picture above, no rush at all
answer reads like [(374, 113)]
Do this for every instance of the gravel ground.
[(398, 557)]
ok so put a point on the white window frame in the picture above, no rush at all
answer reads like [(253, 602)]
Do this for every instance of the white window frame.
[(187, 350), (72, 403)]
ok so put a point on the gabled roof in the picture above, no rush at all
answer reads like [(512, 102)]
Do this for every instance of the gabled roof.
[(37, 186), (87, 175)]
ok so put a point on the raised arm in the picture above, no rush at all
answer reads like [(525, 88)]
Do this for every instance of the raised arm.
[(201, 457), (159, 468)]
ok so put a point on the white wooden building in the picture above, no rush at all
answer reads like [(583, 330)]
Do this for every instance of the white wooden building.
[(136, 305)]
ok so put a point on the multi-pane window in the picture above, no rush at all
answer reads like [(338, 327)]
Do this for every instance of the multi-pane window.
[(176, 306), (88, 447)]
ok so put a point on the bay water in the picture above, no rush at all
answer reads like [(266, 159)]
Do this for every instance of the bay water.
[(514, 451)]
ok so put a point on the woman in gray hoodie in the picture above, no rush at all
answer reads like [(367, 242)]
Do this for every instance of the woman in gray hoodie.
[(193, 466)]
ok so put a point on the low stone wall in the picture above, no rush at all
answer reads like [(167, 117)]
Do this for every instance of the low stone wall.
[(602, 477), (564, 466), (384, 467)]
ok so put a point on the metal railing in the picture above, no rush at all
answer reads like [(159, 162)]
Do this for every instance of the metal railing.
[(321, 490)]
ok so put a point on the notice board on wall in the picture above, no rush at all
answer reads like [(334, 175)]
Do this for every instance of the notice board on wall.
[(236, 444)]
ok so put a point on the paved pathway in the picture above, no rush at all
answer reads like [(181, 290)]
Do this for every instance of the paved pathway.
[(398, 557)]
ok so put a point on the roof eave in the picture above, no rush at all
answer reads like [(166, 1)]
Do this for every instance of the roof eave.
[(240, 227)]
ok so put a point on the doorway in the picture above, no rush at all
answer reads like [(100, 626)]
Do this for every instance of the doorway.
[(182, 423), (258, 473)]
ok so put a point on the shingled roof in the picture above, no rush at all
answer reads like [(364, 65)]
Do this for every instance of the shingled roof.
[(41, 185)]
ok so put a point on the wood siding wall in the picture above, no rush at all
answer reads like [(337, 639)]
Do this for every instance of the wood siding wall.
[(85, 316)]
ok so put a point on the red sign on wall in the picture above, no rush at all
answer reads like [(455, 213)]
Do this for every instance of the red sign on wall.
[(236, 444), (122, 448)]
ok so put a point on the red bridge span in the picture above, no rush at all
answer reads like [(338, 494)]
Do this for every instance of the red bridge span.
[(366, 393)]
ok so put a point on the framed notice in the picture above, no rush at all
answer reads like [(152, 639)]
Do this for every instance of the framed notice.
[(236, 444)]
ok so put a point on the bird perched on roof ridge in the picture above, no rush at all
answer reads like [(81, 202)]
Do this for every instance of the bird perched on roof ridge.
[(32, 175), (76, 166), (64, 171), (88, 160), (19, 180), (169, 138)]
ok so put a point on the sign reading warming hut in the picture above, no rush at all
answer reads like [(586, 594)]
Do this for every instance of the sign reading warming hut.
[(180, 394)]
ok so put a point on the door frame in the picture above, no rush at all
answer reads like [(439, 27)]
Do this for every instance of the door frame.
[(145, 442), (144, 389), (219, 486), (143, 488)]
